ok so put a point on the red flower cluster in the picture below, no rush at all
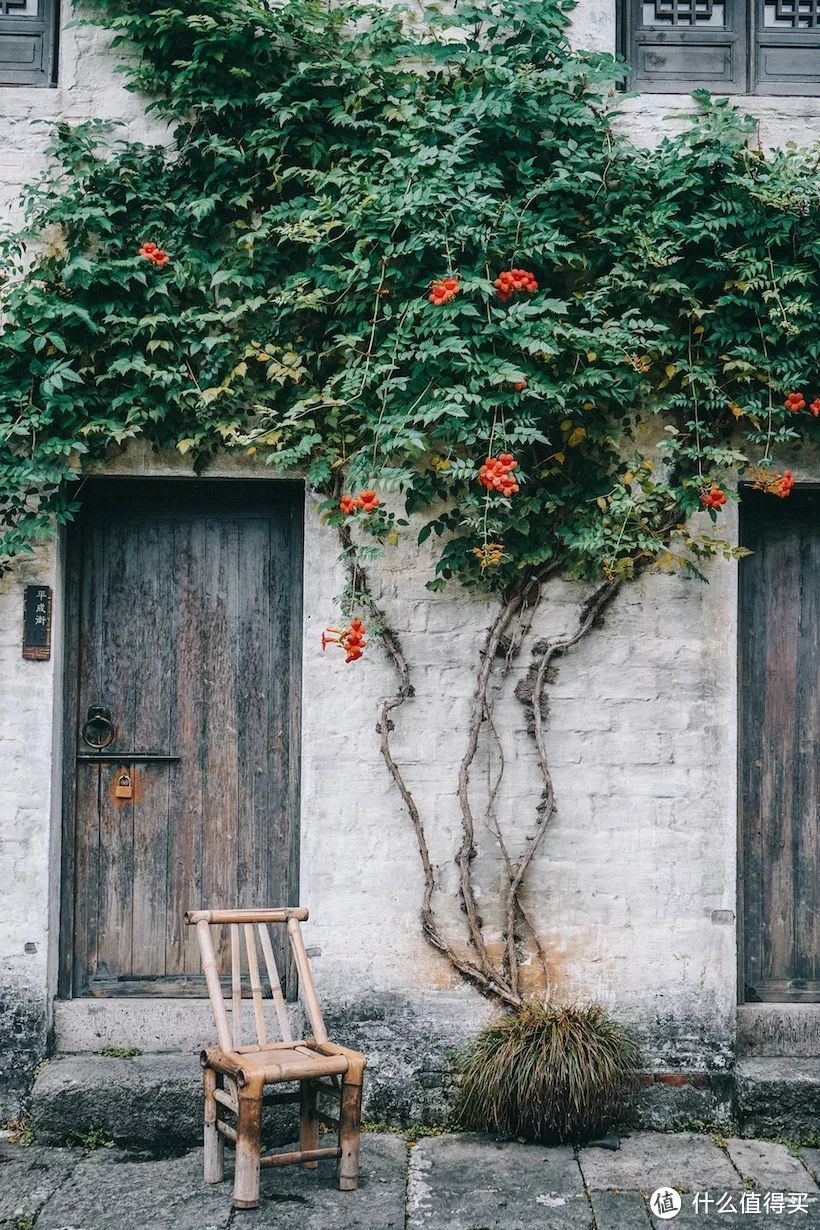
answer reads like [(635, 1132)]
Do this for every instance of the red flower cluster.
[(496, 474), (772, 481), (367, 501), (796, 401), (713, 498), (351, 639), (513, 280), (154, 254), (444, 290)]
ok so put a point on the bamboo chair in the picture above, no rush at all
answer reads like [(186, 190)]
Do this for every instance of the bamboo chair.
[(235, 1075)]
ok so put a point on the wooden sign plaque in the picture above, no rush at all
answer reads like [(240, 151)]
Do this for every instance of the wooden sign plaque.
[(37, 623)]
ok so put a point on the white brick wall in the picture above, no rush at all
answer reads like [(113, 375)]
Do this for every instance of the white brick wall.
[(641, 851)]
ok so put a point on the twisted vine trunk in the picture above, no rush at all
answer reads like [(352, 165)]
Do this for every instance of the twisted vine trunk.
[(501, 982)]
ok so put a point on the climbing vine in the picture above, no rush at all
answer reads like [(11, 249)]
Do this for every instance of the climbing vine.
[(411, 257)]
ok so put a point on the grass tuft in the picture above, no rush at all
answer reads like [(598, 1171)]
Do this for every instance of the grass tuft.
[(547, 1073)]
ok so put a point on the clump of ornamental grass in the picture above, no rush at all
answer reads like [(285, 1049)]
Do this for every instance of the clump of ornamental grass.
[(547, 1073)]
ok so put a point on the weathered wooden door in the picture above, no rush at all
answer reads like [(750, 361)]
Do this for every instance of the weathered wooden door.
[(779, 694), (183, 650)]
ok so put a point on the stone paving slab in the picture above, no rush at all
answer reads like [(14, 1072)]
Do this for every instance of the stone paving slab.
[(111, 1191), (28, 1176), (649, 1160), (293, 1198), (620, 1211), (476, 1183), (811, 1160), (770, 1165)]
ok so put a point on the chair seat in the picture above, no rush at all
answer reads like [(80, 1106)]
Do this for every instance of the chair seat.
[(278, 1063)]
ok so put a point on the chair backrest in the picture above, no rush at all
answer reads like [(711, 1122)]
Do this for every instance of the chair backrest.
[(251, 926)]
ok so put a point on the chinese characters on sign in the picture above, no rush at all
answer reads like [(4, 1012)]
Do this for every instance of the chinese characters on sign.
[(37, 623)]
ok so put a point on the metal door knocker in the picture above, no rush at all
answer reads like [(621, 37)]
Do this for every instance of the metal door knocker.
[(98, 729)]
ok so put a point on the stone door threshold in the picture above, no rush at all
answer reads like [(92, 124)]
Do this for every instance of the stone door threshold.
[(778, 1031)]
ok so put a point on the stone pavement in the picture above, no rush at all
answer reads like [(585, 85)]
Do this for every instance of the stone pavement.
[(453, 1182)]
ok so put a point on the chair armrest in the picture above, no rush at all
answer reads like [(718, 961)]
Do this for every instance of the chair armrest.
[(213, 1057), (356, 1061)]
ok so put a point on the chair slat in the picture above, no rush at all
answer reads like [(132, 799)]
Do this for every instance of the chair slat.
[(213, 984), (306, 981), (256, 985), (275, 986), (236, 986)]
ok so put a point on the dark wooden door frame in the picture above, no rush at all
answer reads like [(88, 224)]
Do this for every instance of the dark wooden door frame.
[(220, 494), (742, 998)]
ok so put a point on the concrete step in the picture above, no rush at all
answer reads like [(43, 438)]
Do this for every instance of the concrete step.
[(151, 1102), (778, 1097), (778, 1031)]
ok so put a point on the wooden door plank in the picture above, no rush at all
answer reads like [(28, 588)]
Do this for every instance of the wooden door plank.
[(86, 837), (152, 652), (115, 689), (751, 684), (187, 778), (806, 849), (255, 786), (284, 709), (295, 583), (782, 581), (220, 600)]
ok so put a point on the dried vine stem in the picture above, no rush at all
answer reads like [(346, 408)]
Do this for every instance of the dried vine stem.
[(504, 983), (529, 586), (589, 612), (485, 980)]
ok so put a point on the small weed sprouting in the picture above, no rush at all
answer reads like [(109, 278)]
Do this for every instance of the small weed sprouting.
[(89, 1140), (121, 1052), (22, 1133), (413, 1133)]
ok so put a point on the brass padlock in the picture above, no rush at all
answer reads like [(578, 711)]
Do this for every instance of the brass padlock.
[(124, 788)]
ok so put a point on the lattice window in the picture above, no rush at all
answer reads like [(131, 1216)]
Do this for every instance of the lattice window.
[(28, 41), (791, 14), (684, 13)]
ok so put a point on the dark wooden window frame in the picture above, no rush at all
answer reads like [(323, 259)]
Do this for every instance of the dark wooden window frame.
[(745, 57), (28, 44), (192, 492)]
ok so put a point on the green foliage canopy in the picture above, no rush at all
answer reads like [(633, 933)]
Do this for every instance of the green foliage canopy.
[(327, 164)]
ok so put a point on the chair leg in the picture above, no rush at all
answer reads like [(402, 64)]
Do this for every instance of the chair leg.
[(249, 1126), (350, 1118), (308, 1123), (214, 1142)]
